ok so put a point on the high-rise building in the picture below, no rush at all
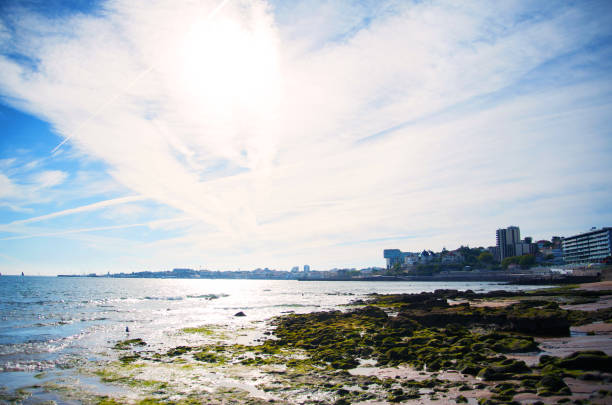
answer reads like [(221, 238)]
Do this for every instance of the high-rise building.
[(306, 268), (588, 247), (509, 244), (507, 240)]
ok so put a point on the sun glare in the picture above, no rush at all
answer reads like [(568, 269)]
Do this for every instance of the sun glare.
[(229, 65)]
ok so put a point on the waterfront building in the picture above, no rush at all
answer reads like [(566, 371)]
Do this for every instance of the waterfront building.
[(306, 268), (393, 257), (494, 250), (589, 247), (396, 257), (507, 240), (509, 244)]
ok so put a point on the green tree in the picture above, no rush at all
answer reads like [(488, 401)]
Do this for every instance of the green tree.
[(396, 269), (526, 261), (509, 260), (485, 258)]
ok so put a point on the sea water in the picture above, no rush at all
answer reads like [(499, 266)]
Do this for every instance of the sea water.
[(52, 326)]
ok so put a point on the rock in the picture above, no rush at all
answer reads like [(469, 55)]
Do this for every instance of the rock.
[(552, 385), (240, 314), (471, 370), (371, 312), (588, 361)]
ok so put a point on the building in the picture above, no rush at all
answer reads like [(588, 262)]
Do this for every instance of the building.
[(494, 250), (509, 244), (507, 240), (306, 268), (394, 257), (589, 247)]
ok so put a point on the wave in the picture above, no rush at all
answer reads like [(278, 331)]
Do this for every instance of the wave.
[(178, 298), (29, 366), (209, 296)]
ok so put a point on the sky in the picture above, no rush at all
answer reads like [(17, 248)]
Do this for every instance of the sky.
[(229, 134)]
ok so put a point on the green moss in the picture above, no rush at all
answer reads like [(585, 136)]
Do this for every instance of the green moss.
[(108, 401), (129, 358), (209, 357), (202, 330), (127, 344), (552, 385), (179, 350)]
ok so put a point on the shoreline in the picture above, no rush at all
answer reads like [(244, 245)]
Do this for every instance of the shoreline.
[(444, 347)]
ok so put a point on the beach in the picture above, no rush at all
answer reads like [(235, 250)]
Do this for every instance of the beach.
[(312, 343)]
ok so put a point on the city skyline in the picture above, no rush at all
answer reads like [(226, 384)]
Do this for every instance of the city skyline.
[(243, 134)]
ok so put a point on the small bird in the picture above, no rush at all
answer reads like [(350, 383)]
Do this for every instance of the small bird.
[(127, 330)]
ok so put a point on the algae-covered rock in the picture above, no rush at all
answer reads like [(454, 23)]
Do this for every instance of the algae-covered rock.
[(552, 385), (177, 351), (471, 370), (126, 344), (587, 361), (129, 358), (515, 344), (538, 318), (503, 370)]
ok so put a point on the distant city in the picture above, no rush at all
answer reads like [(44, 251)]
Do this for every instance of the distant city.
[(510, 252), (510, 258)]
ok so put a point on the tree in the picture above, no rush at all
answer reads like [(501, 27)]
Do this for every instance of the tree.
[(485, 257), (509, 260), (396, 269), (526, 261)]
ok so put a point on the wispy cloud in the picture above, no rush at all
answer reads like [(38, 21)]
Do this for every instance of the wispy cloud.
[(290, 132), (151, 224), (71, 211)]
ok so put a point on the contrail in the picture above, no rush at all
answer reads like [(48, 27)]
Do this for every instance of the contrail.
[(128, 87), (102, 108), (98, 228), (84, 208)]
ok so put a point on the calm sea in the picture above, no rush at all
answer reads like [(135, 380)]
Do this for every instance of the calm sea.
[(55, 325)]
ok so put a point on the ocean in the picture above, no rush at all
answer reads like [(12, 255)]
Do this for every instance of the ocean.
[(52, 330)]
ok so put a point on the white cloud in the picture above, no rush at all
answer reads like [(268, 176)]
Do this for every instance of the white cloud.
[(7, 188), (173, 103), (49, 178)]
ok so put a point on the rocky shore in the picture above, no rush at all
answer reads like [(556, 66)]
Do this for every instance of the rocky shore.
[(542, 347)]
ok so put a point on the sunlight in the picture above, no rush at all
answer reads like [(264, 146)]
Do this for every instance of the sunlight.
[(231, 66)]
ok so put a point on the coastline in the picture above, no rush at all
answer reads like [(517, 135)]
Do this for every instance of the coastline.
[(444, 347)]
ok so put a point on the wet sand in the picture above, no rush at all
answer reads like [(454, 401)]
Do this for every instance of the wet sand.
[(599, 286)]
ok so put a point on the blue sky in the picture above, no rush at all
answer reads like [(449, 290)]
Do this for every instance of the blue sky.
[(239, 134)]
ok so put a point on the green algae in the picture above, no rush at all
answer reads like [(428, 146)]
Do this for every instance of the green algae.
[(111, 376), (108, 401), (202, 330), (306, 355), (461, 399), (209, 357), (178, 351), (127, 344), (578, 364)]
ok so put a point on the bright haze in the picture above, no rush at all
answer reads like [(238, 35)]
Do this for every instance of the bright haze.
[(234, 134)]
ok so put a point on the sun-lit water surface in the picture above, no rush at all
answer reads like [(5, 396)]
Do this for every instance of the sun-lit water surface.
[(56, 324)]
